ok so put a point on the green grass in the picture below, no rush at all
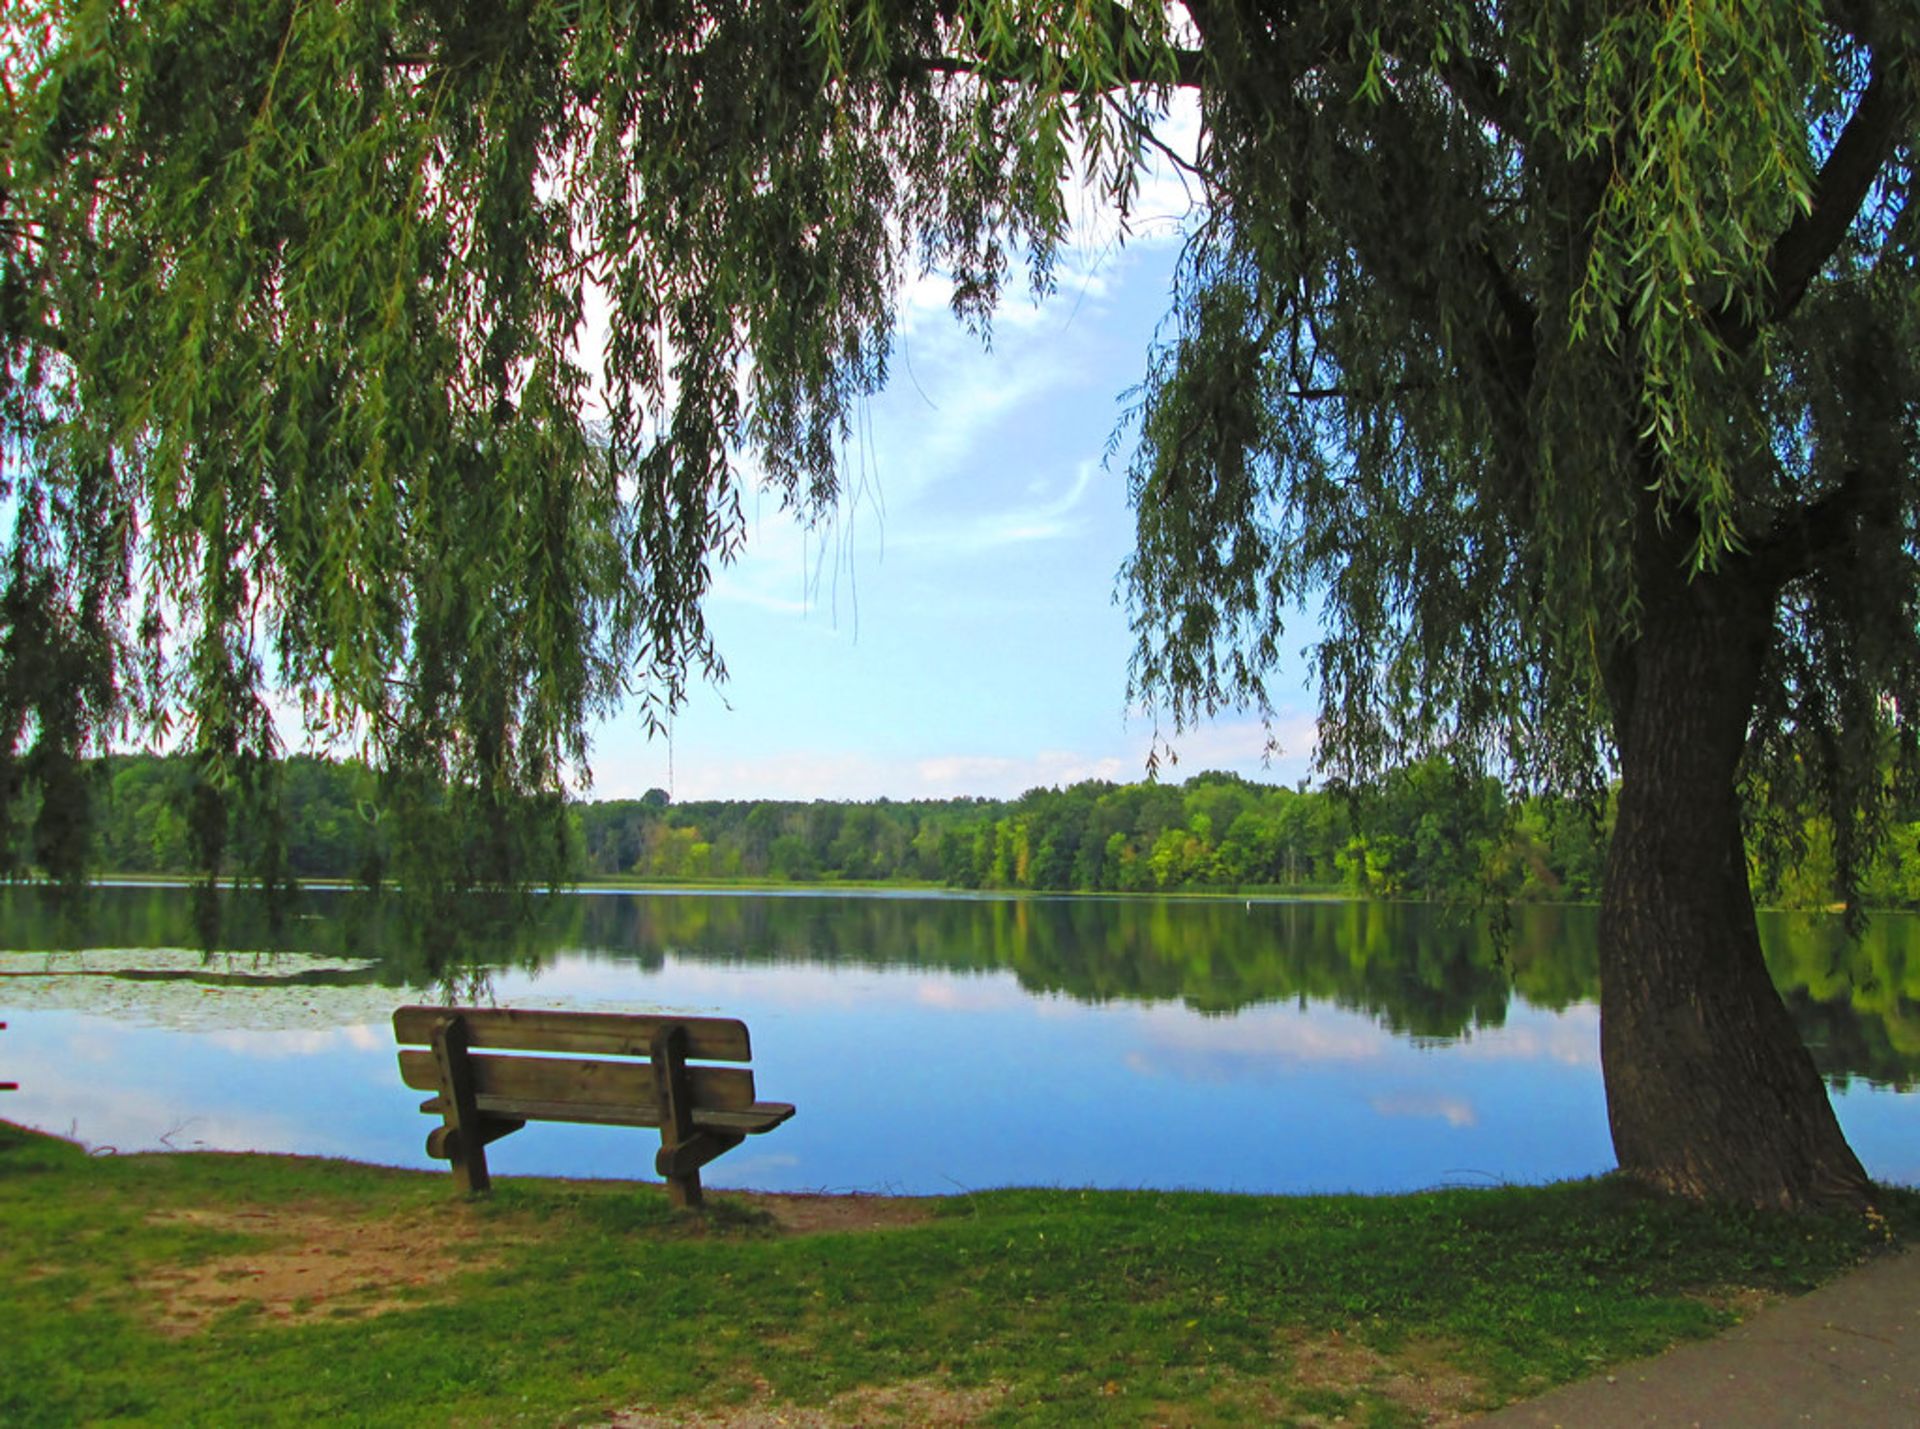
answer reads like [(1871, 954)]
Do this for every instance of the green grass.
[(743, 883), (555, 1302)]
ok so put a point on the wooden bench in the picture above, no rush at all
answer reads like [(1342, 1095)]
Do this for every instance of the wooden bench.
[(635, 1071)]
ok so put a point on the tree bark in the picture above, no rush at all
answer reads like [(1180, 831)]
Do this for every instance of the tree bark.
[(1710, 1092)]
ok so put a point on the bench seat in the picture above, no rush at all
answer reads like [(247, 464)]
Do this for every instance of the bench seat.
[(746, 1121)]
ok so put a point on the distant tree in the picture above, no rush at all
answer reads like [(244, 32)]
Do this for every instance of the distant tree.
[(852, 853), (1057, 827), (789, 857)]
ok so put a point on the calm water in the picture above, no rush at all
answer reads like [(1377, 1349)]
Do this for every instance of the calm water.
[(930, 1043)]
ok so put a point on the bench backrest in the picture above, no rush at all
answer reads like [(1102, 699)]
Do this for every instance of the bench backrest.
[(590, 1080)]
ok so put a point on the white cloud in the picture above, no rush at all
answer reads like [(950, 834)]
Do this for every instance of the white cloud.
[(998, 995), (626, 768), (1571, 1038), (804, 774), (282, 1044), (1179, 1041), (1454, 1111), (1244, 743), (743, 588), (1165, 204), (1053, 516), (960, 775), (157, 1114), (952, 394)]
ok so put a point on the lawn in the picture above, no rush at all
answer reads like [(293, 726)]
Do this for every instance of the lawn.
[(263, 1289)]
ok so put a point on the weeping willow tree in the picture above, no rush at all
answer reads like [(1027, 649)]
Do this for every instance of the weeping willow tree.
[(1564, 353), (1571, 355), (294, 401)]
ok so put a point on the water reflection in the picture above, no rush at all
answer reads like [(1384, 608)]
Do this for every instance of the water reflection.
[(1418, 972), (930, 1042)]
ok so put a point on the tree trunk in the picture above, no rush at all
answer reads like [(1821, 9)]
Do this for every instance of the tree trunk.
[(1710, 1092)]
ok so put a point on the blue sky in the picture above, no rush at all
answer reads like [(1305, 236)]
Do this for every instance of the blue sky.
[(954, 630)]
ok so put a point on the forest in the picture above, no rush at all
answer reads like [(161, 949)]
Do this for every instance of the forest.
[(1423, 832)]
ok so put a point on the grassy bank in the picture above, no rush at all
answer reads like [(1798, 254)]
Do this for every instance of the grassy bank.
[(1232, 893), (636, 883), (219, 1288)]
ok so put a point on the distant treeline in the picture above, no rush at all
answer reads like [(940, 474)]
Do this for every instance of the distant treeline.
[(1422, 833), (1425, 831)]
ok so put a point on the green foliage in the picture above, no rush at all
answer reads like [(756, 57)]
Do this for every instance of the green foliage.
[(1513, 333), (1426, 833), (291, 396)]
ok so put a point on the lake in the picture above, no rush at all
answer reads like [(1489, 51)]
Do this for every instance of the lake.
[(932, 1043)]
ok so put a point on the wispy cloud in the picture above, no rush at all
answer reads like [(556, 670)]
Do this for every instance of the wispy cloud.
[(719, 766), (162, 1113), (1277, 753), (958, 775), (281, 1045), (1570, 1038), (999, 996), (1058, 513), (1454, 1111), (1165, 204), (802, 774), (1177, 1040)]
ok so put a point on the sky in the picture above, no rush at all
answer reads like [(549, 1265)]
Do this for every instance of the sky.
[(955, 630)]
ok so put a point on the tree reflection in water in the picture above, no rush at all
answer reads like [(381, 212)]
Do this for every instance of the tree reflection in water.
[(1421, 971)]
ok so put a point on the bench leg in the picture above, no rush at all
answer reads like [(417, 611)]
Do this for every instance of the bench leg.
[(465, 1138), (680, 1165), (669, 1053)]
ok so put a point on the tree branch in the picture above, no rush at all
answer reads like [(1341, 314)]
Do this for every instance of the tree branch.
[(1355, 394), (1801, 251), (1178, 160), (1481, 89), (1513, 350), (1187, 71), (1822, 530)]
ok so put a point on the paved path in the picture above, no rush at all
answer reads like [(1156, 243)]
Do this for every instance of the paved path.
[(1846, 1355)]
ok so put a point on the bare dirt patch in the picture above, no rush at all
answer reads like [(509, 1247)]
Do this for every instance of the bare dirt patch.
[(317, 1265), (928, 1401), (1425, 1382), (1743, 1302), (818, 1215), (1419, 1377)]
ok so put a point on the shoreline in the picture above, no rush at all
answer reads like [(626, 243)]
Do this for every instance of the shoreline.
[(612, 884), (1254, 893)]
